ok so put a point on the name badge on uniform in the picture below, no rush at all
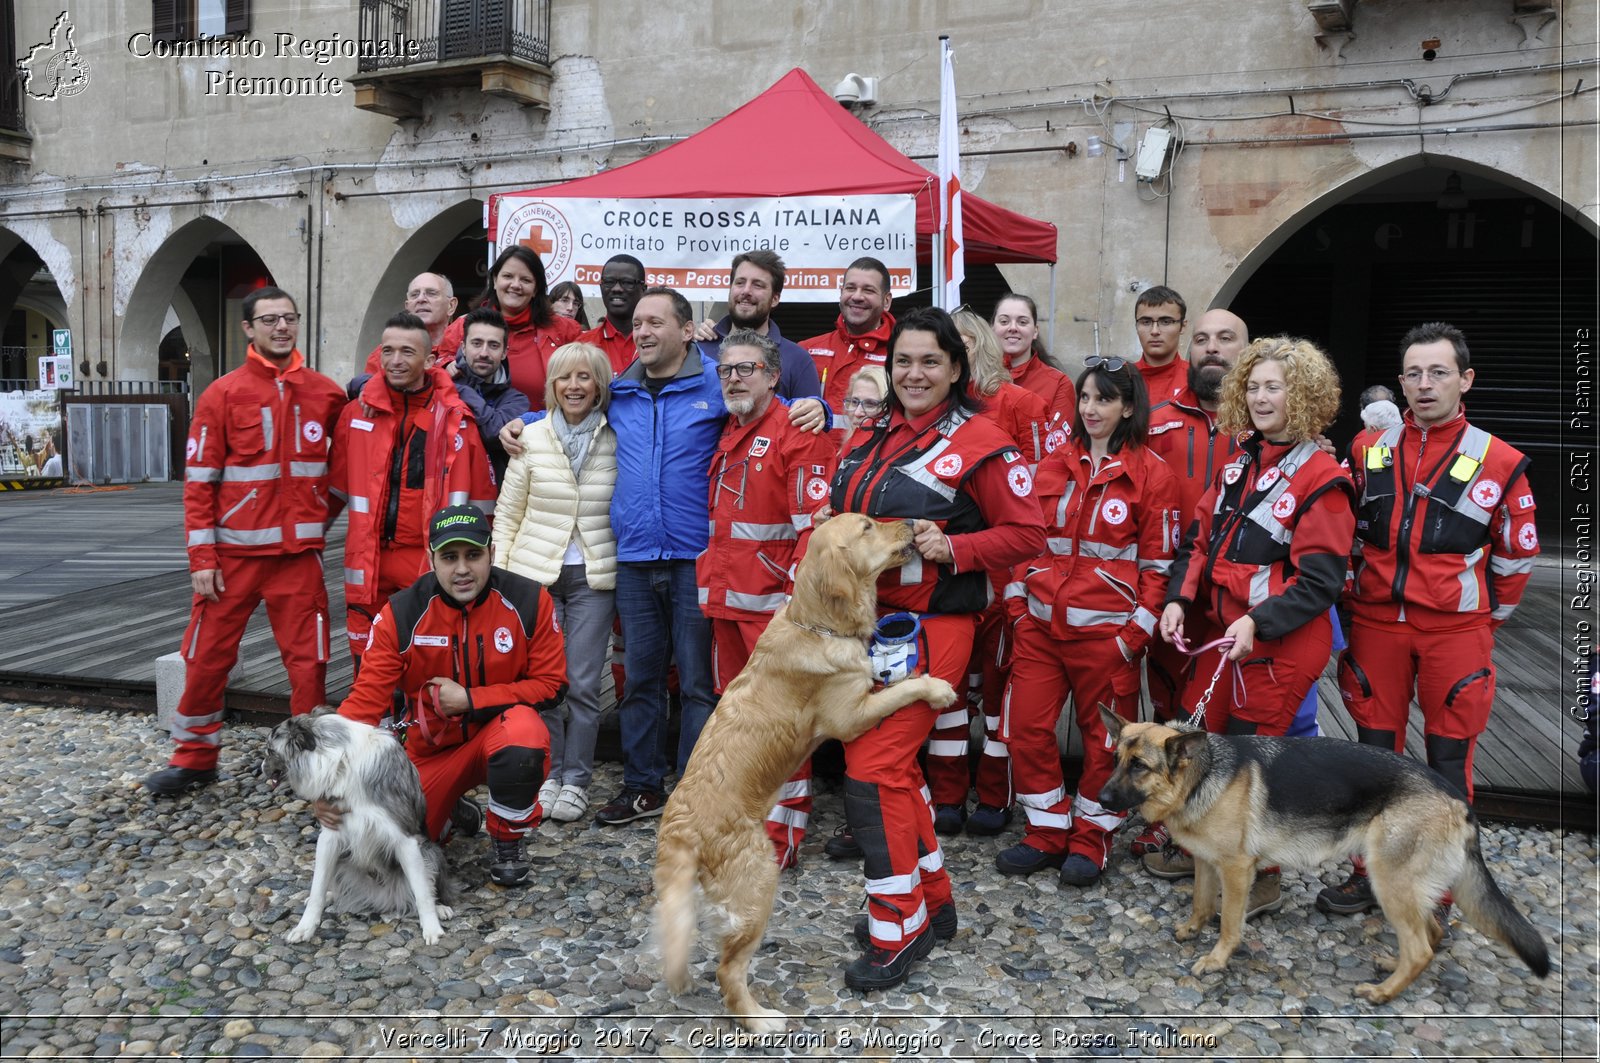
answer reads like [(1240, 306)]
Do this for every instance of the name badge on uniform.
[(431, 640), (356, 422)]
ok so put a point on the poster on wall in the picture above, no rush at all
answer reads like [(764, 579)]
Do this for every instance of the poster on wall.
[(689, 244), (30, 431)]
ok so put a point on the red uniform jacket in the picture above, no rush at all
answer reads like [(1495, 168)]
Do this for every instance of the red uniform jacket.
[(1050, 384), (838, 354), (1271, 538), (1024, 417), (767, 478), (256, 479), (1112, 533), (1186, 438), (1163, 381), (440, 462), (1445, 533), (617, 345), (505, 647), (966, 476), (528, 349)]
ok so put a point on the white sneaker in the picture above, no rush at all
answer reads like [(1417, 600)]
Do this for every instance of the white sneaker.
[(570, 805), (547, 795)]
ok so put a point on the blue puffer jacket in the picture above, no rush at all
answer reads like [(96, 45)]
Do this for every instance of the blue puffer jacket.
[(664, 449)]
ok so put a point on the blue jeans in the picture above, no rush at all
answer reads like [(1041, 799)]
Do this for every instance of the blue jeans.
[(662, 624), (585, 616)]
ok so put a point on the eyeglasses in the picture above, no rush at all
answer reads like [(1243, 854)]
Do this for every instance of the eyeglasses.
[(1154, 322), (744, 369), (864, 405), (271, 320), (1111, 365), (619, 282), (1436, 375), (418, 293)]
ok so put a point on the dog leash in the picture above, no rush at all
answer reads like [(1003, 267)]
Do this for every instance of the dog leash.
[(1198, 717)]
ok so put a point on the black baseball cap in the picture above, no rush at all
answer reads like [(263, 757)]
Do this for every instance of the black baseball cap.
[(458, 524)]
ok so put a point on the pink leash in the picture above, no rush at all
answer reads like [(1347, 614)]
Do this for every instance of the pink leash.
[(1198, 717)]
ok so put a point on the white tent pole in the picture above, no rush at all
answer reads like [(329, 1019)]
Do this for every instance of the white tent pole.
[(1051, 341)]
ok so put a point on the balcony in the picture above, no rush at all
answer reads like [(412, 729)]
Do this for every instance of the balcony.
[(410, 48), (15, 143)]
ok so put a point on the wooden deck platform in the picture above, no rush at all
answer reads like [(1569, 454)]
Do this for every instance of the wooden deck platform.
[(94, 587)]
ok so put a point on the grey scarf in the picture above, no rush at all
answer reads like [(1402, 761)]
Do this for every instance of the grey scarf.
[(576, 439)]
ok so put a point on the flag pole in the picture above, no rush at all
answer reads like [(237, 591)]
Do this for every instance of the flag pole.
[(949, 266)]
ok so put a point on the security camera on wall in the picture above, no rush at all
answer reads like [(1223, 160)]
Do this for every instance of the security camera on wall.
[(856, 91)]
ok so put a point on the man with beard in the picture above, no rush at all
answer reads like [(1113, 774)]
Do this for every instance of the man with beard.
[(621, 285), (755, 288), (484, 384), (1183, 432), (767, 478)]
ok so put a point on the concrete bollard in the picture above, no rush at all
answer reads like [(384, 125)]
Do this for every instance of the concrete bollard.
[(171, 670)]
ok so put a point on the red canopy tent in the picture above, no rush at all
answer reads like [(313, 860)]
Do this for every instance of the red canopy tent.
[(807, 144)]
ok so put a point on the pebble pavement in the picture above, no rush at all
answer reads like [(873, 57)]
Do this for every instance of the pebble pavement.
[(132, 928)]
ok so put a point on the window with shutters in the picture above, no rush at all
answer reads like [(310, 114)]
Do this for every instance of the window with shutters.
[(190, 20), (10, 86)]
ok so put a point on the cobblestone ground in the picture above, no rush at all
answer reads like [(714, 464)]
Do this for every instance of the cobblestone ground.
[(131, 928)]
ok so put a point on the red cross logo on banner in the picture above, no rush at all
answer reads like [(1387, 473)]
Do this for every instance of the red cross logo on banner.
[(535, 241)]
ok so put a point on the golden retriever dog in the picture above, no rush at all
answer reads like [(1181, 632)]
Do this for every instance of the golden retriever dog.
[(807, 680)]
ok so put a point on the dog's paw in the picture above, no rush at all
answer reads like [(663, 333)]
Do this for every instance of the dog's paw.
[(1210, 964), (1186, 930), (1386, 962), (1374, 993), (444, 911), (302, 932), (940, 693), (764, 1021), (432, 932)]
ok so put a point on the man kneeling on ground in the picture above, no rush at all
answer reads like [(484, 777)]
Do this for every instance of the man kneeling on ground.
[(476, 651)]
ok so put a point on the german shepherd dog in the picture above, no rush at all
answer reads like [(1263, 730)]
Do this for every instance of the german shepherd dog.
[(380, 859), (809, 678), (1239, 801)]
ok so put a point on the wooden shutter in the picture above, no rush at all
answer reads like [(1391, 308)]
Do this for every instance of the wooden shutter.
[(169, 20), (236, 18)]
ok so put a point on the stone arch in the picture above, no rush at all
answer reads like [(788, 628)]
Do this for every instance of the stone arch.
[(418, 254), (1285, 230), (169, 280)]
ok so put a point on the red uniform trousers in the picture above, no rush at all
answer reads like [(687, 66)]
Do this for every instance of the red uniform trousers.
[(398, 568), (987, 674), (948, 766), (887, 804), (1453, 674), (297, 608), (1261, 694), (1044, 670), (511, 753), (732, 643)]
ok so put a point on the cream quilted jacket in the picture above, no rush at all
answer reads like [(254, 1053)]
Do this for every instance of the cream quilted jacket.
[(541, 505)]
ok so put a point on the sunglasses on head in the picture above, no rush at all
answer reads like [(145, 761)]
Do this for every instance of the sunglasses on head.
[(1111, 365)]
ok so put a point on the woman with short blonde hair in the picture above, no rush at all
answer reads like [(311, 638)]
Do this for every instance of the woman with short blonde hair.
[(553, 524)]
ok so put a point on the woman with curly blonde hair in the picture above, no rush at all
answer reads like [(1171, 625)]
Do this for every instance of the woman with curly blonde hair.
[(1267, 549)]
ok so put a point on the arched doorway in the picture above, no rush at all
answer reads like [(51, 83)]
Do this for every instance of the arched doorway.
[(198, 279), (452, 243), (1445, 240), (31, 307)]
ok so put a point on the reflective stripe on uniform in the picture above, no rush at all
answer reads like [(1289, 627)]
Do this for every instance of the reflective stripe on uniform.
[(1145, 619), (309, 531), (760, 533), (511, 815), (1088, 617), (202, 474), (360, 503), (1468, 578), (355, 577), (947, 748), (1510, 566), (1096, 813), (789, 817), (756, 603), (1107, 552), (250, 473), (794, 788), (203, 537), (485, 505), (258, 537), (1060, 546), (308, 468), (894, 883)]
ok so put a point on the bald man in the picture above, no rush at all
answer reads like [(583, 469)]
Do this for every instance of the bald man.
[(431, 297), (1183, 431)]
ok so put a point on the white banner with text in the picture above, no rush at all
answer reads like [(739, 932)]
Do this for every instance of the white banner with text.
[(689, 244)]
